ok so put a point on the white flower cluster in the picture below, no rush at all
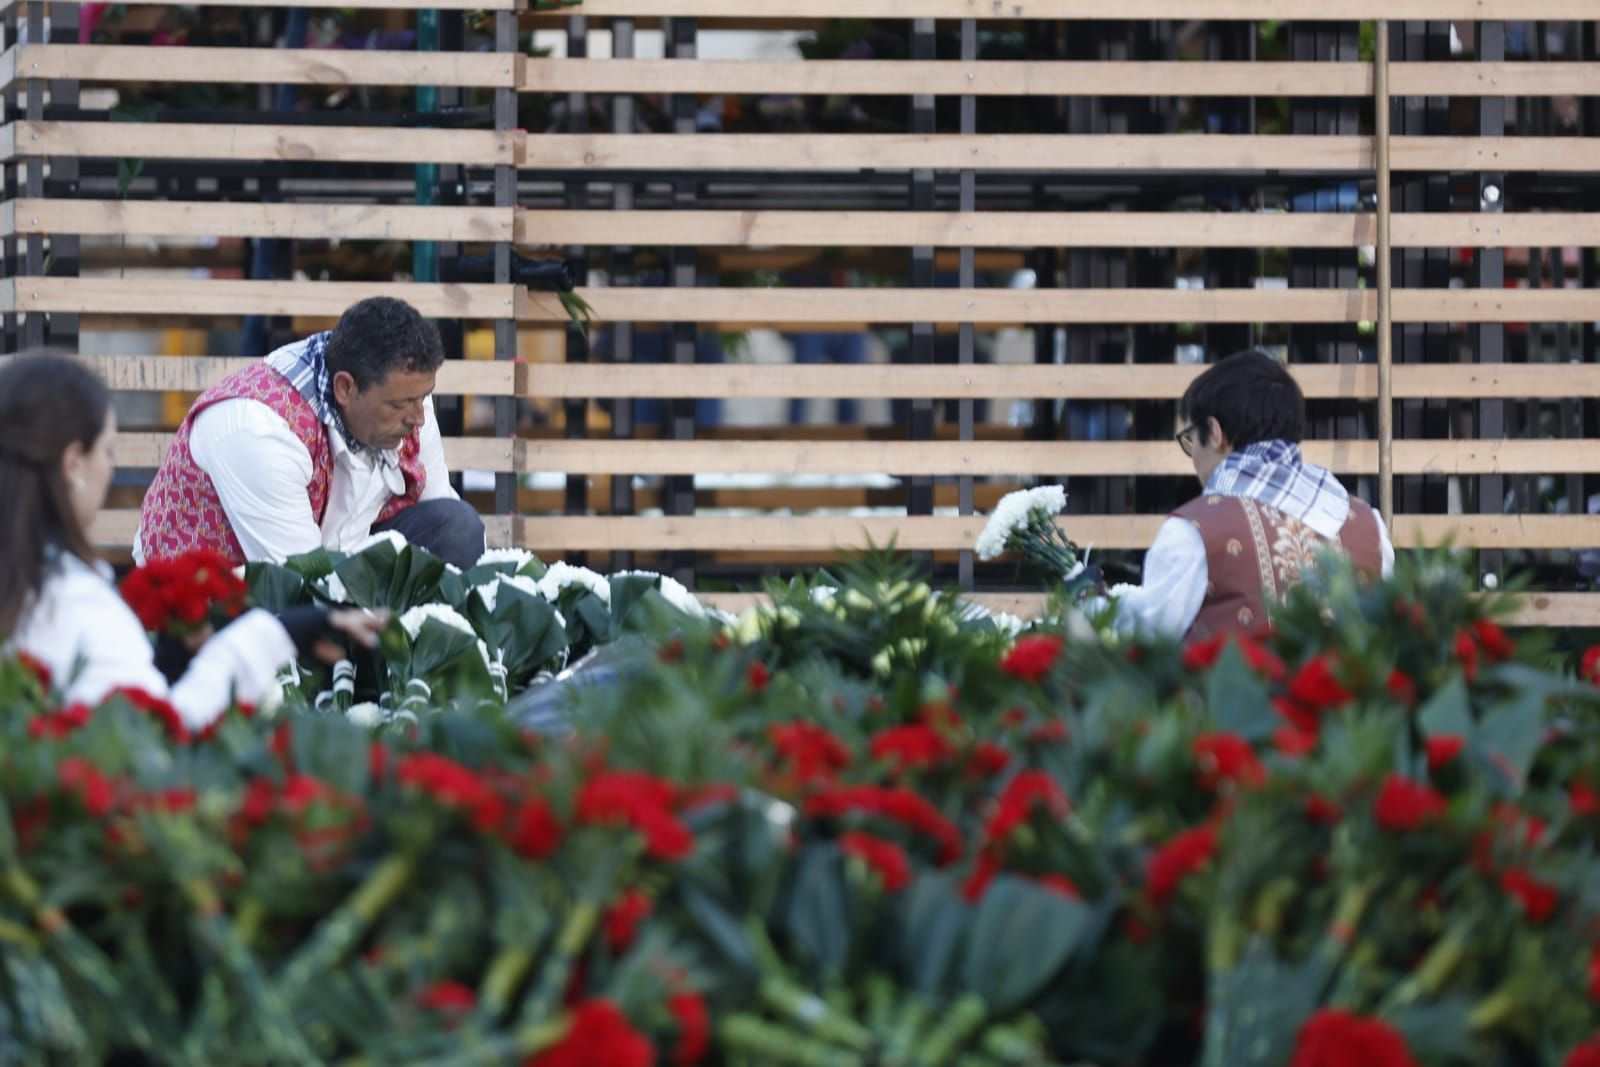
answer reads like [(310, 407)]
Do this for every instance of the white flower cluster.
[(1014, 512), (366, 714), (390, 537), (412, 620), (671, 590), (489, 592), (561, 575), (332, 587), (517, 556)]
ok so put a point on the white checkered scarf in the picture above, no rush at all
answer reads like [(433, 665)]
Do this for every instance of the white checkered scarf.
[(1273, 473)]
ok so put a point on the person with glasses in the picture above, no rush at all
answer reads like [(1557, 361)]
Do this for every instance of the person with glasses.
[(1264, 515)]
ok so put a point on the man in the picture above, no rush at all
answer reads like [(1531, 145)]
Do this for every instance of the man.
[(320, 445), (1265, 513)]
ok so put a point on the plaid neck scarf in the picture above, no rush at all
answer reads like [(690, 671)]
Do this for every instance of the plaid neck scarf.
[(1272, 473), (305, 364)]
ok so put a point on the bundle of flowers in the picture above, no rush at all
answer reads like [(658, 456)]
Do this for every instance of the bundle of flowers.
[(186, 595)]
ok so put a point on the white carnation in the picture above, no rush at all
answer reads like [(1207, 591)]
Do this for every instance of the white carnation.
[(823, 594), (561, 575), (672, 591), (391, 537), (1008, 624), (1012, 512), (333, 588), (412, 620), (517, 556), (488, 592), (366, 714)]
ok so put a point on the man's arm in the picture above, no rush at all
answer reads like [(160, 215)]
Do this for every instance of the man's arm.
[(261, 471), (1174, 587), (430, 449)]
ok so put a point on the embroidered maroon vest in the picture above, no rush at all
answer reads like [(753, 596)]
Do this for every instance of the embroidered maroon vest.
[(181, 511), (1255, 552)]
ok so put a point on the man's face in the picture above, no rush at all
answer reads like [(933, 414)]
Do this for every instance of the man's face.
[(386, 412), (1209, 452)]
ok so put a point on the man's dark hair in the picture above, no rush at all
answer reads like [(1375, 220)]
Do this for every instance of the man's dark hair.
[(1252, 396), (381, 334)]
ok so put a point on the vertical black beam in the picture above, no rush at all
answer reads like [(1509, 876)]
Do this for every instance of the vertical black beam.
[(576, 409), (33, 327), (919, 499), (684, 269), (505, 327), (1489, 339), (452, 189), (65, 249), (10, 169), (622, 272), (967, 341), (1230, 268)]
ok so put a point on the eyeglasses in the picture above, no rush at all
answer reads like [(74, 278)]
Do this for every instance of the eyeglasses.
[(1186, 438)]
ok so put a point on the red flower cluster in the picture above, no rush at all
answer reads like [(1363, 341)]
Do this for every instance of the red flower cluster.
[(1537, 899), (36, 667), (56, 725), (1203, 655), (811, 752), (447, 998), (534, 833), (897, 803), (1017, 800), (1226, 761), (1176, 860), (1404, 805), (455, 786), (1443, 748), (1583, 800), (1589, 666), (1032, 657), (1496, 646), (641, 802), (157, 708), (1333, 1038), (1585, 1055), (887, 859), (622, 919), (694, 1028), (84, 778), (598, 1036), (758, 676), (915, 746), (987, 759), (178, 596), (1316, 687)]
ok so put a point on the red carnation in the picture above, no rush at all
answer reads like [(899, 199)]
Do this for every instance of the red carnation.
[(92, 787), (622, 919), (377, 761), (1319, 809), (641, 802), (1537, 899), (887, 859), (1032, 657), (1594, 973), (914, 746), (1226, 759), (1493, 640), (1401, 687), (812, 752), (453, 785), (1314, 685), (1203, 655), (1176, 860), (535, 834), (1017, 800), (694, 1028), (1293, 743), (36, 667), (758, 676), (1404, 805), (1585, 1055), (56, 725), (448, 998), (1589, 668), (1583, 800), (983, 872), (157, 708), (598, 1035), (1334, 1038), (1442, 748), (1467, 652), (987, 760), (910, 809)]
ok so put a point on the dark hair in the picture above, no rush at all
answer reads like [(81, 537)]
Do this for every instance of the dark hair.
[(1252, 396), (46, 404), (381, 334)]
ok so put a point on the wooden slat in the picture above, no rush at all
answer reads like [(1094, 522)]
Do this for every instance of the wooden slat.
[(728, 381), (1018, 78), (301, 144), (168, 218), (1253, 10), (193, 374), (788, 308), (144, 450), (210, 297), (1030, 229), (355, 5), (115, 528), (265, 66), (610, 533), (1014, 458)]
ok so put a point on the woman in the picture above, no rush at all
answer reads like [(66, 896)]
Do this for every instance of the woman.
[(57, 603)]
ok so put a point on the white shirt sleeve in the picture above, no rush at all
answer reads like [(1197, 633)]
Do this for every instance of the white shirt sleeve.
[(261, 471), (94, 644), (1175, 575), (1385, 546), (431, 452)]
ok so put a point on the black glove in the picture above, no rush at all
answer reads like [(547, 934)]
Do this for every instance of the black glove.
[(307, 624), (172, 658)]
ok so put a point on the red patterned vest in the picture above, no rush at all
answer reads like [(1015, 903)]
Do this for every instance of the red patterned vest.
[(1254, 552), (181, 511)]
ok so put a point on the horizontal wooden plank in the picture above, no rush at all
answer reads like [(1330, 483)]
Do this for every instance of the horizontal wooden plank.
[(789, 308), (1076, 381), (1036, 229), (172, 218), (193, 374), (353, 5), (1016, 458), (327, 144), (1254, 10), (610, 533), (114, 528), (144, 450), (210, 297), (1045, 78), (258, 66)]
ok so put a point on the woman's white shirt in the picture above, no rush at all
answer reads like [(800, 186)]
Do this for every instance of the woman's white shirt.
[(93, 643)]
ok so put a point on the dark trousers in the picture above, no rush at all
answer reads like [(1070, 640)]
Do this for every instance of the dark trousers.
[(450, 529)]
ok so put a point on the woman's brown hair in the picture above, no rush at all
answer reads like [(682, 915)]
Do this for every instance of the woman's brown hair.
[(46, 404)]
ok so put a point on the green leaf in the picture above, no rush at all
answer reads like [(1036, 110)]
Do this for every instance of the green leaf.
[(275, 587), (627, 590), (932, 922), (818, 918), (724, 932), (1237, 698), (1448, 711), (1258, 1007), (1022, 935), (1438, 1031), (1510, 736)]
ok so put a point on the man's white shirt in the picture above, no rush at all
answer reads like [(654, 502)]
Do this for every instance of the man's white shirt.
[(261, 471)]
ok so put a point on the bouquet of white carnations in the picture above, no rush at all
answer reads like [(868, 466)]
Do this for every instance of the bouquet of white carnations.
[(1025, 522)]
